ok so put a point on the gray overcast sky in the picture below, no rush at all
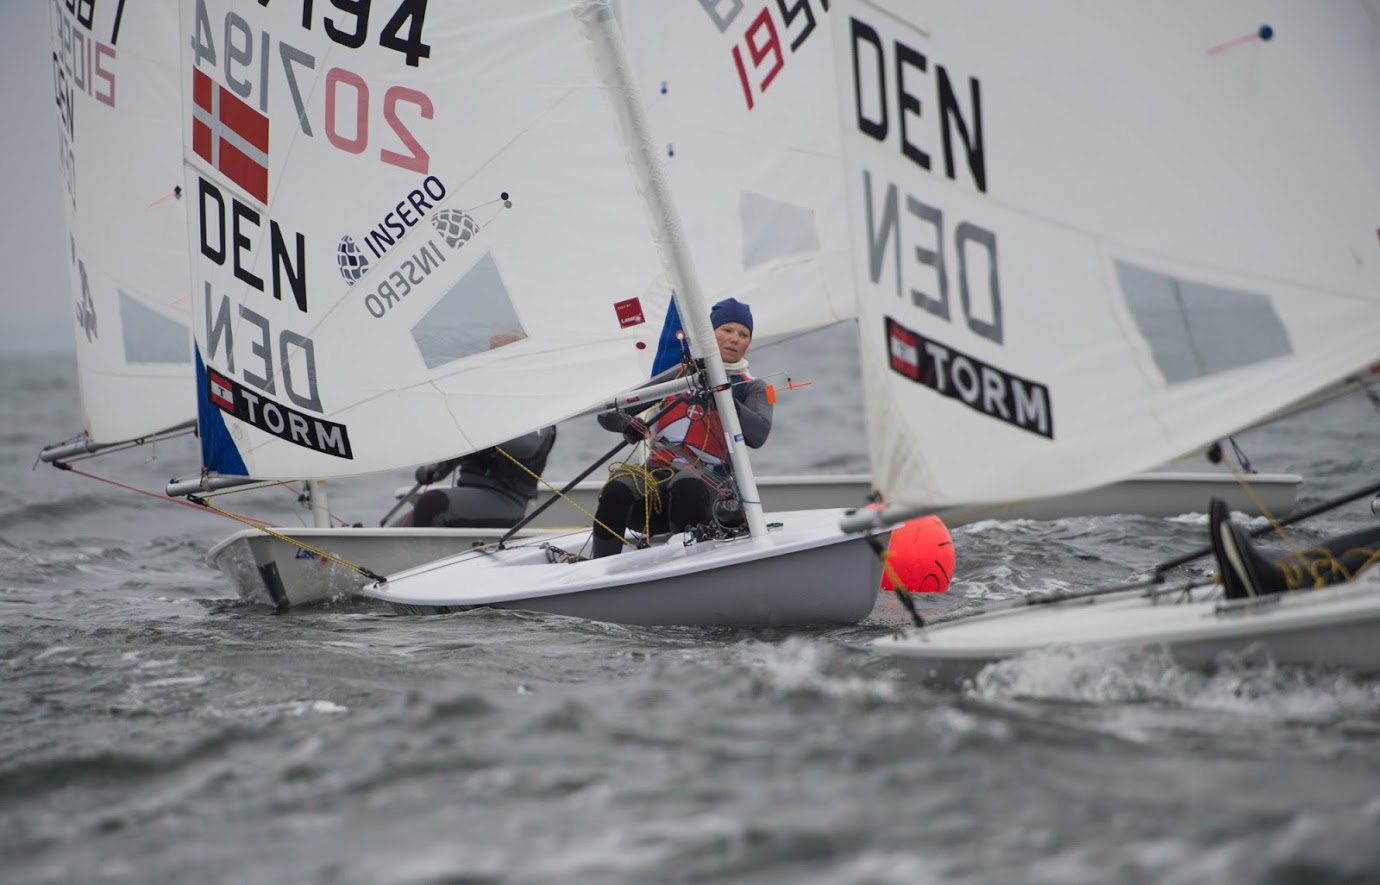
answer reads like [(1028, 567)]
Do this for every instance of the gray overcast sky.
[(34, 302)]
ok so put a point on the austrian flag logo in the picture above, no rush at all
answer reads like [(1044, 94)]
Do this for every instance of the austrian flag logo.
[(221, 391), (230, 135), (904, 347)]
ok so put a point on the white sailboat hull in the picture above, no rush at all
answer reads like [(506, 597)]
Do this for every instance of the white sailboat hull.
[(1334, 626), (266, 569), (804, 572), (269, 570)]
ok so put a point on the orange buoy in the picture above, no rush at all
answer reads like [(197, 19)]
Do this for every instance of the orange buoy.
[(921, 555)]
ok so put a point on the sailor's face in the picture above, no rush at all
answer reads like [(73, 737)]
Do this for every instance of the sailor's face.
[(734, 339)]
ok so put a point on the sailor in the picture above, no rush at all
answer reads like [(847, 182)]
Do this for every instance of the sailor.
[(1245, 571), (492, 488), (680, 484)]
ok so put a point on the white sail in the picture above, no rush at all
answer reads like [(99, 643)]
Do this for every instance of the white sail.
[(115, 76), (414, 233), (1093, 238), (741, 103)]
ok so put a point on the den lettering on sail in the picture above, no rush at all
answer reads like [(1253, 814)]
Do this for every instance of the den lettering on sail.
[(258, 365), (927, 112)]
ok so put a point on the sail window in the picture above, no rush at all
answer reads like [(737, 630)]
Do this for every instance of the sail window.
[(475, 315), (773, 229), (150, 337), (1196, 329)]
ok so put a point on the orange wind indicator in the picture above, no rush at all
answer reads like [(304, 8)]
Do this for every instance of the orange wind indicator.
[(790, 385)]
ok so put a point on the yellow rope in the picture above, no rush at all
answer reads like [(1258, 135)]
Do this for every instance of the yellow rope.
[(1245, 484), (649, 479), (1327, 560), (651, 491), (1296, 577), (557, 492), (288, 540), (647, 483)]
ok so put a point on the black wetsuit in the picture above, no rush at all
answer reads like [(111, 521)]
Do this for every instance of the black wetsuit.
[(490, 491)]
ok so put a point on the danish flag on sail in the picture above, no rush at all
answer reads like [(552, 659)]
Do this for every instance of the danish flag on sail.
[(230, 135)]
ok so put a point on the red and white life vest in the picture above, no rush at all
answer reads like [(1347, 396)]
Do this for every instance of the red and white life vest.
[(693, 427)]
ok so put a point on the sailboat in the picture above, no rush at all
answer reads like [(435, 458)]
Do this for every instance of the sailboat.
[(365, 220), (797, 569), (1082, 269), (748, 145), (776, 250), (115, 80)]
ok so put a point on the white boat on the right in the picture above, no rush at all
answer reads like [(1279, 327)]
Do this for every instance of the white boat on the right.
[(1334, 626), (1067, 273)]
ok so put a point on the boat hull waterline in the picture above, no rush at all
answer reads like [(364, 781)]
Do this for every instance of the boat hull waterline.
[(1333, 626), (804, 572)]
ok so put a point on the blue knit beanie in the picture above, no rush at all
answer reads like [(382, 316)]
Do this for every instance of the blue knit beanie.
[(730, 310)]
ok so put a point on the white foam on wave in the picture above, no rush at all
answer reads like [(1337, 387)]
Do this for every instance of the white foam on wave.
[(1245, 686), (801, 664)]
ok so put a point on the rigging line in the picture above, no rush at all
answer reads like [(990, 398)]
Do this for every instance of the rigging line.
[(1326, 559), (1183, 318), (1241, 457), (266, 484), (304, 497), (558, 493), (902, 592), (693, 463), (288, 540), (650, 493), (1263, 508), (1296, 516), (402, 502), (162, 497), (561, 493)]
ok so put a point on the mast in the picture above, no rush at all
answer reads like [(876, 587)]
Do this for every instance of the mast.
[(611, 61)]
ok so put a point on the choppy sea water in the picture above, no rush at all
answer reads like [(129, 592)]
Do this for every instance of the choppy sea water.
[(157, 730)]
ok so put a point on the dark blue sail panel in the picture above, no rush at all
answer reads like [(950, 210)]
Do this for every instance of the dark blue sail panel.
[(671, 347), (218, 450)]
